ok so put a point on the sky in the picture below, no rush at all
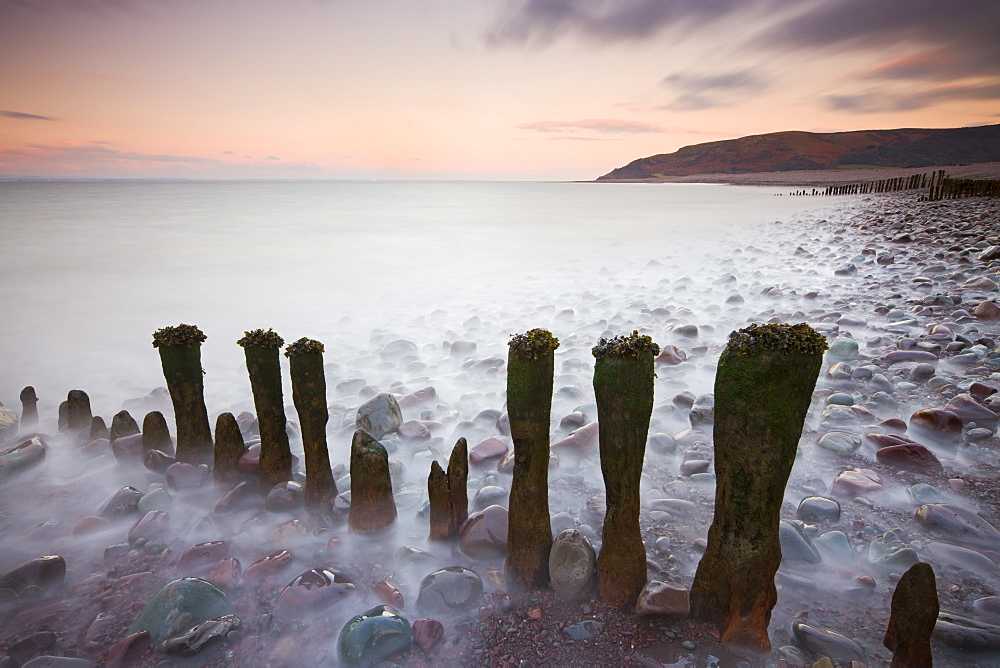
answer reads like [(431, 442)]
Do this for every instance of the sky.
[(466, 89)]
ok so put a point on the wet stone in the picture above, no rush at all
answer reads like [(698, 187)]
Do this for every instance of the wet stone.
[(815, 509), (373, 635), (25, 455), (157, 461), (836, 545), (572, 563), (840, 442), (843, 348), (126, 652), (660, 598), (856, 482), (966, 633), (268, 565), (484, 534), (968, 409), (203, 556), (242, 494), (449, 590), (583, 630), (157, 499), (316, 589), (427, 633), (825, 642), (922, 493), (125, 502), (285, 497), (491, 495), (152, 526), (380, 415), (937, 423), (179, 606), (958, 525), (490, 448), (796, 545), (910, 457), (199, 637), (127, 449), (182, 475), (890, 552), (227, 574), (37, 578)]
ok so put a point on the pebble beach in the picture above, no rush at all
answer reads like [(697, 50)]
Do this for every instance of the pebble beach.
[(898, 463)]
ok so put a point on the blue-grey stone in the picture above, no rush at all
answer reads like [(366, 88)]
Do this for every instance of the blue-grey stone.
[(840, 399), (583, 630), (125, 502), (179, 606), (157, 499), (843, 348), (373, 635), (814, 509), (449, 589), (835, 544), (825, 642), (921, 493), (796, 545), (892, 553), (22, 456), (840, 442)]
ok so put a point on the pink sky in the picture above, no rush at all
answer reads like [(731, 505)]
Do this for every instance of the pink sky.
[(527, 89)]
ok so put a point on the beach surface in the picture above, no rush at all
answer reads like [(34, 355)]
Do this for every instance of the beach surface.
[(905, 292)]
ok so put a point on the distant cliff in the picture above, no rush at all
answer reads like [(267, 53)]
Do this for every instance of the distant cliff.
[(789, 151)]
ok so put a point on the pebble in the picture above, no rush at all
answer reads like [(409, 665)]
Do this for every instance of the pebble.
[(572, 563), (449, 589), (373, 635)]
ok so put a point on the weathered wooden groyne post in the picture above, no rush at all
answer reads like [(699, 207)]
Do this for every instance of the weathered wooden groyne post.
[(180, 357), (623, 386), (912, 617), (229, 447), (78, 415), (530, 370), (372, 507), (448, 495), (263, 357), (305, 358), (763, 388), (29, 408)]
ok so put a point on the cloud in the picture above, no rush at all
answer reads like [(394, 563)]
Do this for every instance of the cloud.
[(701, 91), (98, 161), (878, 101), (602, 125), (20, 115), (541, 22)]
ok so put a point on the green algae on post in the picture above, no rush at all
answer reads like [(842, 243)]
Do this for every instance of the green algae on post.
[(180, 357), (309, 396), (763, 389), (263, 358), (530, 369), (623, 386)]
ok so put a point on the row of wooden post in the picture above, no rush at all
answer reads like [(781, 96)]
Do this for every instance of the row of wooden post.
[(763, 389)]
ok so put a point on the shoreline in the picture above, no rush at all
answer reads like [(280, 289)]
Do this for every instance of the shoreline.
[(915, 267), (825, 177)]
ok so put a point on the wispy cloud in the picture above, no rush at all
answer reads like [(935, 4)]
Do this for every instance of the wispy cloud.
[(601, 125), (872, 101), (702, 91), (99, 160), (541, 22), (20, 115)]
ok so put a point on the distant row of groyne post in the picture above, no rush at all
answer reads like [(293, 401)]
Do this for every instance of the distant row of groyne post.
[(938, 184)]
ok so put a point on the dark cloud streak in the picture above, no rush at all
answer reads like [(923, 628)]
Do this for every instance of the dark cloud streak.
[(20, 115)]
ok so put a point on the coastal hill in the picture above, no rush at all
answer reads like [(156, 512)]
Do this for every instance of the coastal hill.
[(793, 151)]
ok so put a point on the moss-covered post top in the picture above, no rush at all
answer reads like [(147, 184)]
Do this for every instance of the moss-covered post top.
[(181, 335), (784, 338), (633, 345), (258, 338), (303, 346), (533, 344)]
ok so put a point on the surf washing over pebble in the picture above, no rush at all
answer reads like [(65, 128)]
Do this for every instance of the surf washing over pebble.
[(414, 289)]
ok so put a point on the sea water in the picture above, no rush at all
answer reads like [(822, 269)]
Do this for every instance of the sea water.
[(90, 269)]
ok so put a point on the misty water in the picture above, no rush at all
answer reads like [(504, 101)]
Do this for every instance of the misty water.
[(413, 286)]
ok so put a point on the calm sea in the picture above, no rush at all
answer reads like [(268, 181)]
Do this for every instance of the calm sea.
[(90, 269)]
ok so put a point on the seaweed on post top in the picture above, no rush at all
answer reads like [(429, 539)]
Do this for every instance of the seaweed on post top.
[(180, 357)]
